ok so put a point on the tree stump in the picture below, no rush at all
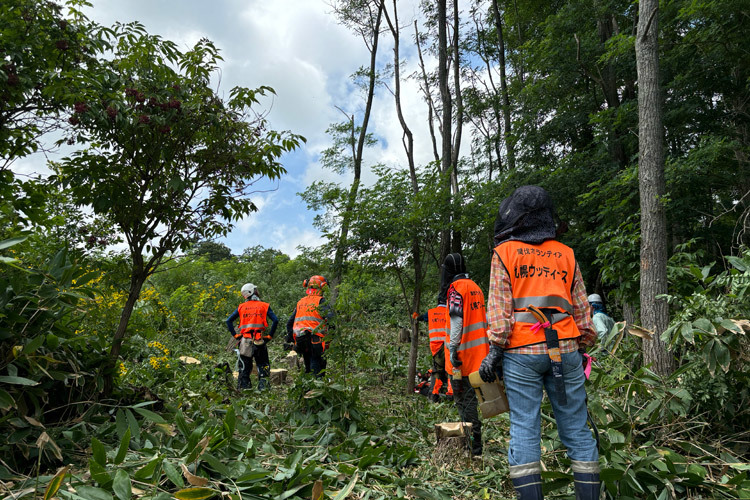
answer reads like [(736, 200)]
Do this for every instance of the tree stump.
[(404, 336), (278, 376), (453, 445), (292, 360)]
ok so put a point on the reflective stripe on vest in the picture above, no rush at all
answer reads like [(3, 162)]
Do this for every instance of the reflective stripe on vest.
[(474, 343), (253, 318), (307, 317), (437, 321), (540, 275)]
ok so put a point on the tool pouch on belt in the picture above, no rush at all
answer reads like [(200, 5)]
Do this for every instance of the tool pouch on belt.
[(553, 347), (246, 347)]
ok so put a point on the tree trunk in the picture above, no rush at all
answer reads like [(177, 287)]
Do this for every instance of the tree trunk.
[(408, 143), (654, 312), (446, 121), (338, 262), (509, 147), (137, 279)]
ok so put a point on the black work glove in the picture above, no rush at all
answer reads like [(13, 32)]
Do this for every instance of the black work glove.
[(288, 346), (492, 364), (454, 359)]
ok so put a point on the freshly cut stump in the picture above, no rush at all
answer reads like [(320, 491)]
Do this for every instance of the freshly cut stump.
[(453, 445), (292, 360), (278, 376)]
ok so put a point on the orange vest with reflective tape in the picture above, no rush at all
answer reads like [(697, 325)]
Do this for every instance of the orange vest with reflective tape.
[(437, 324), (474, 343), (253, 321), (540, 275), (307, 316)]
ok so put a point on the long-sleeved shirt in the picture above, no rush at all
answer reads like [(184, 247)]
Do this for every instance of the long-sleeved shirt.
[(236, 314), (500, 313)]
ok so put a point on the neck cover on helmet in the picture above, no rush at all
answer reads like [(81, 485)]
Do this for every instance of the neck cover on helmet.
[(526, 215), (453, 266)]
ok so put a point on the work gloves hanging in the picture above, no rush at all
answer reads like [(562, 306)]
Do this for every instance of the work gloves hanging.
[(492, 364)]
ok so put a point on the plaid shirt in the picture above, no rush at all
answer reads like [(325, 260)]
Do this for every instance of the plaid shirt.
[(500, 313)]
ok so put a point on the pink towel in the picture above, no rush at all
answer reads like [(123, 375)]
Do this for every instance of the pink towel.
[(587, 362)]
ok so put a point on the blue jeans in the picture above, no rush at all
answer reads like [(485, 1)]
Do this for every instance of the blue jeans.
[(525, 375)]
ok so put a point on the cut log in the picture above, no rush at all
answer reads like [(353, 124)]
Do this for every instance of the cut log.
[(292, 360)]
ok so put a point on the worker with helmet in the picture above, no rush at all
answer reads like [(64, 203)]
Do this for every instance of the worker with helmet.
[(308, 325), (468, 342), (603, 323), (437, 330), (252, 337), (538, 321)]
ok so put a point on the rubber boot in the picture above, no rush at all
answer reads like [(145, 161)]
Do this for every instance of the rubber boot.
[(586, 479), (263, 373), (527, 480)]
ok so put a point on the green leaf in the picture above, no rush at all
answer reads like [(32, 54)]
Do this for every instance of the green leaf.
[(6, 400), (147, 471), (17, 380), (687, 332), (135, 429), (347, 489), (216, 464), (93, 493), (99, 473), (195, 494), (99, 452), (123, 449), (121, 485), (704, 325), (173, 474), (32, 346), (148, 414), (12, 241), (55, 484)]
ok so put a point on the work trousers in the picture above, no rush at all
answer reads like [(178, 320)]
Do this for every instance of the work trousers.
[(468, 410), (526, 377), (260, 355), (312, 355)]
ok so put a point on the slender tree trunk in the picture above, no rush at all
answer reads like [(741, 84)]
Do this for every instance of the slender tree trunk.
[(137, 279), (509, 146), (456, 239), (338, 262), (416, 250), (447, 119), (654, 312)]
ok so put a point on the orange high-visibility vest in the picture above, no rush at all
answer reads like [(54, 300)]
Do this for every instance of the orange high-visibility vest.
[(540, 275), (253, 321), (307, 317), (437, 323), (474, 342)]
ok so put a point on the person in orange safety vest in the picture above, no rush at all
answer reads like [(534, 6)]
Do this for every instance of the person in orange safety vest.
[(437, 329), (308, 325), (252, 337), (468, 344)]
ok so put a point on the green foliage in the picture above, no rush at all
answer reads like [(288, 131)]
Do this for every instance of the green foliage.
[(48, 364)]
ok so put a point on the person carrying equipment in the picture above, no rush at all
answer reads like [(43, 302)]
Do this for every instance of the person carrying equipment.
[(468, 340), (252, 337), (603, 323), (437, 329), (539, 325), (308, 325)]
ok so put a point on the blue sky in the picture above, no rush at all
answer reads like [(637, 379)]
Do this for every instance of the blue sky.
[(298, 48)]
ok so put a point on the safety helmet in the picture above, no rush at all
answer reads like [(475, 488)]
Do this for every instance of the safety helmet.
[(248, 290), (315, 284), (594, 297)]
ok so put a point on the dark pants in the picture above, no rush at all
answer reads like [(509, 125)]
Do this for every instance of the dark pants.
[(438, 368), (312, 355), (468, 409), (260, 354)]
